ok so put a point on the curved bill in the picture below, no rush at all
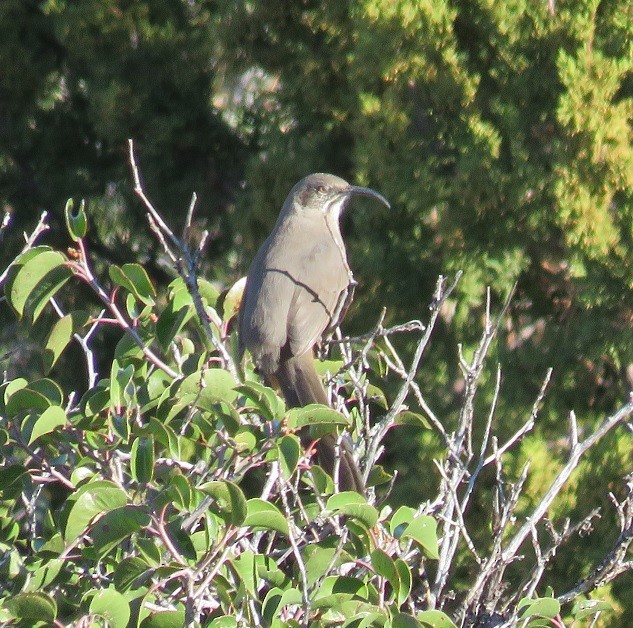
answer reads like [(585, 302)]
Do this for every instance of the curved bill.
[(355, 189)]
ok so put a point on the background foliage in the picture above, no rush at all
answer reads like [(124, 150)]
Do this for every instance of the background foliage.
[(500, 132)]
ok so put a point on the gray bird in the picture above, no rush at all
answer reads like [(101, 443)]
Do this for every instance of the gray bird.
[(298, 288)]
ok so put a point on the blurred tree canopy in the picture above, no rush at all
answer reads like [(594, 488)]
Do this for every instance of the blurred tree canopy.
[(499, 131)]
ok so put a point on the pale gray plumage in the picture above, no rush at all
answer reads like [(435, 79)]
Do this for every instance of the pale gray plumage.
[(298, 287)]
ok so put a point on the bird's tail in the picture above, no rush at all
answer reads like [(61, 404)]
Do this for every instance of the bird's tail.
[(301, 385)]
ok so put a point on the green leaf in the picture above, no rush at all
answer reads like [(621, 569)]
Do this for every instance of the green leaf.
[(384, 566), (244, 564), (225, 621), (142, 462), (170, 322), (406, 581), (26, 399), (407, 417), (133, 277), (436, 619), (91, 500), (315, 414), (36, 606), (588, 608), (178, 492), (541, 607), (423, 530), (117, 525), (164, 619), (400, 520), (289, 453), (44, 574), (208, 387), (378, 476), (36, 282), (354, 505), (342, 584), (130, 572), (318, 560), (112, 606), (229, 500), (263, 514), (402, 620), (60, 335), (77, 224), (275, 600), (51, 418), (209, 293), (263, 400)]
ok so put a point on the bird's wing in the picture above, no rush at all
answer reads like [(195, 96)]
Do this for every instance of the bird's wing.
[(318, 296)]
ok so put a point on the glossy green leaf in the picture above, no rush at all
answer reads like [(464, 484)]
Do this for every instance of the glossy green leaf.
[(77, 224), (423, 530), (133, 277), (341, 584), (315, 414), (223, 622), (91, 500), (209, 293), (142, 459), (52, 418), (402, 620), (32, 606), (354, 505), (275, 601), (117, 525), (60, 335), (319, 559), (170, 323), (435, 618), (263, 400), (378, 476), (36, 282), (406, 581), (27, 399), (178, 493), (289, 453), (263, 514), (407, 417), (539, 607), (384, 566), (208, 387), (44, 574), (400, 520), (112, 606), (130, 573), (164, 619), (229, 499), (244, 565)]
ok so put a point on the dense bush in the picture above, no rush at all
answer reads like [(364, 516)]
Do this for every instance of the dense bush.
[(175, 492)]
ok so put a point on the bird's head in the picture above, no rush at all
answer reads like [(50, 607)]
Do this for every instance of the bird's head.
[(327, 194)]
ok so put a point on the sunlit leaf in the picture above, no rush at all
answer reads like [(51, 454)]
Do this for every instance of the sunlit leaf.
[(33, 606), (52, 418), (91, 500), (133, 277), (263, 514), (423, 530), (76, 223), (112, 606), (60, 335)]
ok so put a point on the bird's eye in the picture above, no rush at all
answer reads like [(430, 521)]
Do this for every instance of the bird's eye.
[(320, 190)]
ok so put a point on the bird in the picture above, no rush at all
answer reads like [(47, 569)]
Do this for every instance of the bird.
[(298, 288)]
